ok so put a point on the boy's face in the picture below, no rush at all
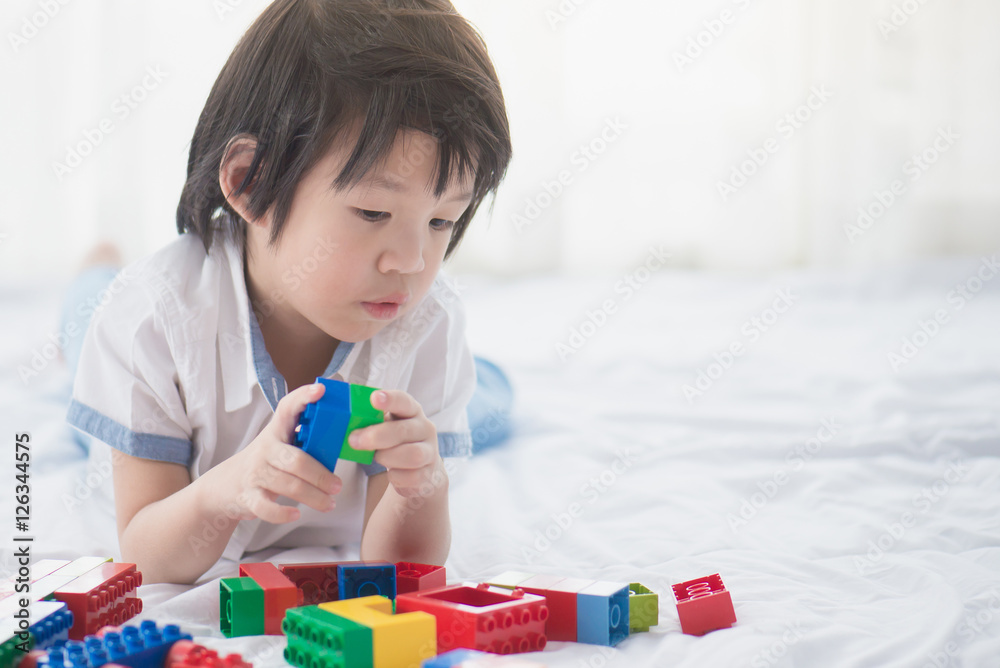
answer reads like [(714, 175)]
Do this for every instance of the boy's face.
[(350, 262)]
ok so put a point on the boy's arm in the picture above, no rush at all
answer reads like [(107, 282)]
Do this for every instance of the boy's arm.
[(174, 529), (414, 529), (163, 525)]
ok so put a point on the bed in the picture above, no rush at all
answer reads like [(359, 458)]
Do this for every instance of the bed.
[(826, 441)]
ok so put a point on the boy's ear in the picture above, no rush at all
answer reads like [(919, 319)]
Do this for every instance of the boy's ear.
[(236, 160)]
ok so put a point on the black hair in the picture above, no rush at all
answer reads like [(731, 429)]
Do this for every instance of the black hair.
[(307, 70)]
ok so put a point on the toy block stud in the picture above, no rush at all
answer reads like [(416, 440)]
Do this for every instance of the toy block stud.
[(280, 593), (643, 608), (484, 618), (241, 607), (145, 646), (53, 625), (320, 638), (316, 581), (187, 654), (105, 594), (397, 639), (602, 611), (357, 579), (704, 605), (417, 577)]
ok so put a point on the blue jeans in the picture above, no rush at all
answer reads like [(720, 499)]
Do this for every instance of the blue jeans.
[(488, 410)]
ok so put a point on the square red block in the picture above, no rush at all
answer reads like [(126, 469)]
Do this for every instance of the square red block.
[(704, 605)]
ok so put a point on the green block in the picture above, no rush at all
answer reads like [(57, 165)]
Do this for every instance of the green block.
[(10, 655), (643, 608), (321, 639), (362, 415), (241, 607)]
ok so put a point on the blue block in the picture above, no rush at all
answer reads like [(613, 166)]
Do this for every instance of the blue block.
[(355, 580), (454, 658), (323, 423), (53, 626), (143, 647), (602, 614)]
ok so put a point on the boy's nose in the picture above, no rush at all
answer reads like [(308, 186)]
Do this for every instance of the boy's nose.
[(403, 253)]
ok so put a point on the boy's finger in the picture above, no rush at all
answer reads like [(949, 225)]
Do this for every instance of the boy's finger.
[(298, 490), (396, 402), (264, 506), (389, 434), (286, 416)]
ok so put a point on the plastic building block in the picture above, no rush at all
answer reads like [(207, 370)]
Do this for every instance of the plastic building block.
[(316, 581), (704, 605), (187, 654), (560, 596), (401, 639), (9, 652), (363, 414), (241, 607), (320, 638), (53, 625), (643, 608), (145, 646), (101, 596), (602, 613), (454, 658), (39, 569), (470, 658), (510, 579), (482, 618), (280, 593), (417, 577), (356, 579), (46, 578), (325, 424)]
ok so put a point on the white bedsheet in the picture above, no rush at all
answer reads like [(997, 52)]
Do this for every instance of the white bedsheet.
[(853, 511)]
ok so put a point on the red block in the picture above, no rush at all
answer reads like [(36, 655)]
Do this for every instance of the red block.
[(417, 577), (280, 593), (186, 654), (102, 596), (316, 581), (560, 595), (488, 619), (704, 605)]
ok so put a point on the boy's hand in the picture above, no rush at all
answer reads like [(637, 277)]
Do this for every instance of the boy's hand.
[(271, 467), (406, 443)]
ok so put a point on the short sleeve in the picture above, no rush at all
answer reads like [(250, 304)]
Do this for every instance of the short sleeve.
[(126, 391)]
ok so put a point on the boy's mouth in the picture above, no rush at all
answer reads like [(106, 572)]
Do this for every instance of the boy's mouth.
[(386, 308)]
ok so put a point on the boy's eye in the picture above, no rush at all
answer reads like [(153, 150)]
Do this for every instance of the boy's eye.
[(442, 224), (372, 216)]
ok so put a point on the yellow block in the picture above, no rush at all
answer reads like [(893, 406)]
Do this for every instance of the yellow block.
[(398, 641)]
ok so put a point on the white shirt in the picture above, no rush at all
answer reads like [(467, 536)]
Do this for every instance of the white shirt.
[(174, 368)]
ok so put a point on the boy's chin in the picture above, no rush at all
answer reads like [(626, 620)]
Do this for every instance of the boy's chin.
[(359, 333)]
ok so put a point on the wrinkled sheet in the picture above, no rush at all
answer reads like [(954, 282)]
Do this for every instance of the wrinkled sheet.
[(827, 441)]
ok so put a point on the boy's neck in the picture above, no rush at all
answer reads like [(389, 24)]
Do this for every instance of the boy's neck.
[(299, 350)]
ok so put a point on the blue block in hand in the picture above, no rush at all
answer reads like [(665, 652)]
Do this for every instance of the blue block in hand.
[(323, 424)]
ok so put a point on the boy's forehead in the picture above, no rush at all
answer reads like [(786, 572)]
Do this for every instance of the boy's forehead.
[(410, 165)]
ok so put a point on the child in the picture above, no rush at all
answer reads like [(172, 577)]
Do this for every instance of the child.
[(339, 158)]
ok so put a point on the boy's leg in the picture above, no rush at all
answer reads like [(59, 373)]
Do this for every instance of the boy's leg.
[(490, 406), (82, 298)]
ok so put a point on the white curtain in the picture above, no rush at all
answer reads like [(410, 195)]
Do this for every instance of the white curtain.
[(636, 124), (892, 76)]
